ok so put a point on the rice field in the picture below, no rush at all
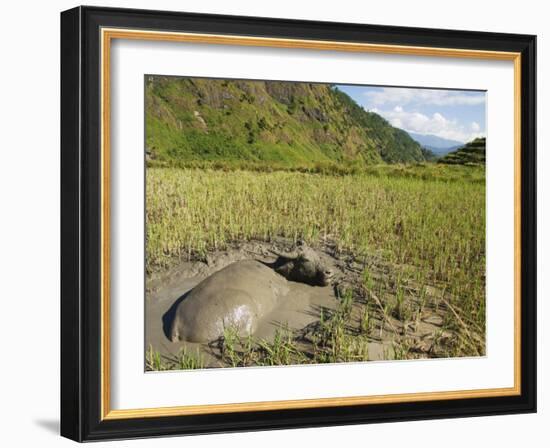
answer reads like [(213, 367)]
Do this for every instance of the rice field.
[(430, 217)]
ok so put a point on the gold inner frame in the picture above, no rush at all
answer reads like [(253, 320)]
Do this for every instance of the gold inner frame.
[(107, 35)]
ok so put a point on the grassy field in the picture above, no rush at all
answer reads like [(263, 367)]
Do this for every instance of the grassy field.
[(430, 217)]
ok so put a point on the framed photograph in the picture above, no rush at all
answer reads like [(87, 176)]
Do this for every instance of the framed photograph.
[(272, 223)]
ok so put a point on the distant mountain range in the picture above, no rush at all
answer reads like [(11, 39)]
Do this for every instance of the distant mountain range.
[(438, 145)]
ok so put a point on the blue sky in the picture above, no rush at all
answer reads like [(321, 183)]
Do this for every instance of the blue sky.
[(451, 114)]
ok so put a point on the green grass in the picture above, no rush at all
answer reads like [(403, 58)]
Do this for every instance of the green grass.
[(418, 170), (239, 351), (184, 360)]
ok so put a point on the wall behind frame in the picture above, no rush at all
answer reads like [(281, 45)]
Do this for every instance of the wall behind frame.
[(29, 235)]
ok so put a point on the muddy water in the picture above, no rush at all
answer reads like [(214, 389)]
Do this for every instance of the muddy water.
[(297, 309)]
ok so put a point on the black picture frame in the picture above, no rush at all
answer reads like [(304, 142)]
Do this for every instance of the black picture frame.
[(81, 414)]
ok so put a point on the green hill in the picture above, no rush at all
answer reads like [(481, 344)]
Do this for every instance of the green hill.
[(284, 123), (473, 153)]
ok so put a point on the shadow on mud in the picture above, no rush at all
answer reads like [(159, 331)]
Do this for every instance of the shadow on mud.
[(168, 317)]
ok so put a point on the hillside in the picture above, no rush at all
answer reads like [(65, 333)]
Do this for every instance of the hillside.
[(289, 124), (473, 153)]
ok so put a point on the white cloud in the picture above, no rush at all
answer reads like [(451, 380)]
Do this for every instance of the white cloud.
[(435, 124), (403, 96)]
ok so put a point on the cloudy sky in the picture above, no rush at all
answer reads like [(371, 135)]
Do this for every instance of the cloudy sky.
[(451, 114)]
